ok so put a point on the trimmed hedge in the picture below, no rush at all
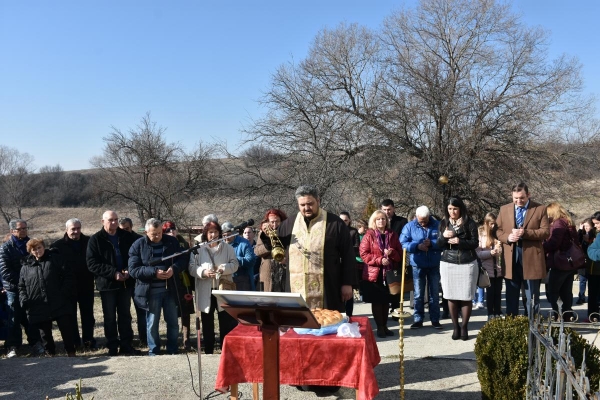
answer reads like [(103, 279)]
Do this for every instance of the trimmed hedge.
[(501, 353)]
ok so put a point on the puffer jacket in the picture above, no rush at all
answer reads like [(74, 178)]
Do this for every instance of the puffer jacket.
[(464, 251), (140, 256), (46, 287), (413, 234), (372, 254), (101, 259), (10, 265)]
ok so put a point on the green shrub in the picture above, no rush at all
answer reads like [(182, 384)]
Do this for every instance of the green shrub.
[(501, 353)]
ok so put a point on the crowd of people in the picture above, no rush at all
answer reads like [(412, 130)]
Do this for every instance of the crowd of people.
[(314, 252)]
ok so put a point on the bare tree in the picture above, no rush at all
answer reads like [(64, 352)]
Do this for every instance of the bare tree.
[(452, 88), (16, 184), (142, 169)]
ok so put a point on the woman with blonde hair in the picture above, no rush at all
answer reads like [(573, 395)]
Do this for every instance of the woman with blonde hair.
[(489, 252), (380, 251), (560, 275)]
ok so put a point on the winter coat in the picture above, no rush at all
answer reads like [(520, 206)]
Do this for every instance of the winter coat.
[(464, 251), (140, 256), (372, 254), (413, 234), (561, 235), (46, 287), (591, 267), (10, 265), (489, 262), (101, 259), (246, 258), (536, 230), (199, 262), (75, 259)]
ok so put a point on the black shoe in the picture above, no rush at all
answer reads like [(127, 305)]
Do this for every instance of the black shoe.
[(387, 331), (381, 332), (113, 352), (417, 325), (129, 351), (436, 325), (455, 335)]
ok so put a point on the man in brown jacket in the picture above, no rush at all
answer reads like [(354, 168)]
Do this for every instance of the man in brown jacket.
[(522, 227)]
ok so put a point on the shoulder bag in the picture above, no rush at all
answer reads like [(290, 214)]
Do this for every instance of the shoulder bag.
[(483, 280), (571, 259)]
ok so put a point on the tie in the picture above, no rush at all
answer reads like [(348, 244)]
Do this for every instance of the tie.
[(520, 212)]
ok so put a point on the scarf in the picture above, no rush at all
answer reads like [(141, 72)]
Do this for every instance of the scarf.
[(21, 244), (306, 258)]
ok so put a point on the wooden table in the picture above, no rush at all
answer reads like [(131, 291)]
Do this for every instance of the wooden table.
[(304, 360)]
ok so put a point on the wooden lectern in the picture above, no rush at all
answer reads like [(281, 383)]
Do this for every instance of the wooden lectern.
[(269, 311)]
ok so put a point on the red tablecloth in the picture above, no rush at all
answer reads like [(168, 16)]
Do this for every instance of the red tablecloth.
[(304, 359)]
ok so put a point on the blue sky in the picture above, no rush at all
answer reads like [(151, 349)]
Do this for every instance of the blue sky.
[(71, 69)]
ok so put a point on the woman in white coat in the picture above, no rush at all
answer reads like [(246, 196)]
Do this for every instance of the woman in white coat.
[(213, 261)]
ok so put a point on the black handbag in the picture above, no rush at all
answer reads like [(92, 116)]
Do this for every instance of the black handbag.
[(483, 280)]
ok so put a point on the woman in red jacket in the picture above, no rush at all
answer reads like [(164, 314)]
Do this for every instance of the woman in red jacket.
[(380, 250)]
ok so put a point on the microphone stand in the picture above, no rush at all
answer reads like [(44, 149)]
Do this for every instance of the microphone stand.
[(192, 249)]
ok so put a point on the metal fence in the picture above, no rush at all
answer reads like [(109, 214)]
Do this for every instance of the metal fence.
[(552, 373)]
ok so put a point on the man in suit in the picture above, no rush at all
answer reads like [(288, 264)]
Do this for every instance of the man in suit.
[(522, 227)]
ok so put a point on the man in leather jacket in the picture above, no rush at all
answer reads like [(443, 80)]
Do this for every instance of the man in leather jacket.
[(107, 256)]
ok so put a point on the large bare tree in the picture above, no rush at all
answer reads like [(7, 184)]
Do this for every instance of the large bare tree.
[(159, 178), (453, 88), (16, 182)]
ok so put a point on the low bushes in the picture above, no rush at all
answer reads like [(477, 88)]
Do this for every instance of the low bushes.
[(501, 353)]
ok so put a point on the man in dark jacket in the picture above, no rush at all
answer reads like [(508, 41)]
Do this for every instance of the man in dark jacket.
[(107, 256), (72, 247), (11, 254), (396, 224), (157, 286)]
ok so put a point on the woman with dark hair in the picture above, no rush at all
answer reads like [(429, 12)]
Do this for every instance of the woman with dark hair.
[(380, 250), (272, 273), (458, 266), (46, 290), (213, 261), (560, 276), (587, 235)]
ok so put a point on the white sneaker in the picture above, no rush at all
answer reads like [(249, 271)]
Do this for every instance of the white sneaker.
[(480, 305), (12, 352), (475, 306)]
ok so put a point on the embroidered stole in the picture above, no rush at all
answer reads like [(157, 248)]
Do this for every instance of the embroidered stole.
[(306, 258)]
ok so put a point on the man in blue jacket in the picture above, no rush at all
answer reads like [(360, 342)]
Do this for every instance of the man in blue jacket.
[(157, 286), (244, 276), (419, 238)]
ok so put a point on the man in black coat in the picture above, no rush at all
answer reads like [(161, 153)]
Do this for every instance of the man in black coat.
[(11, 253), (72, 247), (126, 224), (107, 256), (396, 224)]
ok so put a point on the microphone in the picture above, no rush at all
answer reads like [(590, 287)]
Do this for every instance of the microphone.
[(244, 224)]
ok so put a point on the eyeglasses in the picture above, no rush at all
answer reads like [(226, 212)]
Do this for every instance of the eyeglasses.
[(20, 229)]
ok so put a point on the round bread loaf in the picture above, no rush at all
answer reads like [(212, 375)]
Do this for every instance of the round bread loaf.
[(327, 317)]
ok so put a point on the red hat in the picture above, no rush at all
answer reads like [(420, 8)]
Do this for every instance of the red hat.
[(170, 225)]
